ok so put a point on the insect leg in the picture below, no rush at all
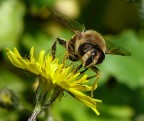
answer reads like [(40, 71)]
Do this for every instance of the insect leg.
[(53, 49), (94, 85), (77, 68), (84, 70), (95, 69), (61, 42)]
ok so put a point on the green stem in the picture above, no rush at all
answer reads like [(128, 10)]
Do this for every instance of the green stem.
[(33, 116), (46, 94), (35, 113)]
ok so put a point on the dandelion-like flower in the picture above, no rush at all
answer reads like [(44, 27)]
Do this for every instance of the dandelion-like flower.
[(54, 78)]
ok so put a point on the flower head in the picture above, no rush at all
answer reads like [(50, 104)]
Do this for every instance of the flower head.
[(54, 77)]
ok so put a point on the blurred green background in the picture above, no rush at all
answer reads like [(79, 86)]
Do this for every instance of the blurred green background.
[(26, 23)]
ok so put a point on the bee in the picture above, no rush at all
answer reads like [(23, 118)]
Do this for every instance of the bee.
[(87, 46)]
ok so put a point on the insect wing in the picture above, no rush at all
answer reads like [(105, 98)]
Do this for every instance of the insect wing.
[(112, 48), (71, 24)]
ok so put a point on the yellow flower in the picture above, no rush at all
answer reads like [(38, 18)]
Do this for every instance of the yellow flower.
[(55, 77)]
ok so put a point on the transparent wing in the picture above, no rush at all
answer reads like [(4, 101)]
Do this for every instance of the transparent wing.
[(71, 24), (112, 48)]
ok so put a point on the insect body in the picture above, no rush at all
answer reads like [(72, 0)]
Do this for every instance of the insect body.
[(88, 46)]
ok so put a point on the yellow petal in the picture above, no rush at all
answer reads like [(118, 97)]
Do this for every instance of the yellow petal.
[(13, 59), (41, 58), (32, 60), (88, 101)]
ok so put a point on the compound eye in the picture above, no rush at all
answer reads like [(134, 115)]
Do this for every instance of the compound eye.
[(83, 48)]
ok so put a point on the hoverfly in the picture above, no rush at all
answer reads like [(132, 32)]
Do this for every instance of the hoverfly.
[(88, 46)]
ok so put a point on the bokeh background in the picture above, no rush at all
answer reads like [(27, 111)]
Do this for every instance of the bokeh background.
[(27, 23)]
